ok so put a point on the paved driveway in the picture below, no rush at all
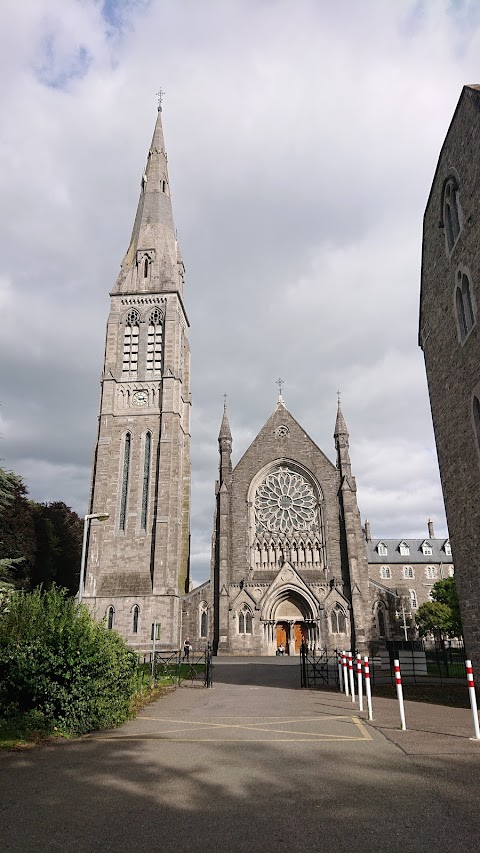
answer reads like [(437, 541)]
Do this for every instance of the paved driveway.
[(248, 765)]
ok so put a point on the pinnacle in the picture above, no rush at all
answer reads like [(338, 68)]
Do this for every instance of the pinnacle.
[(340, 425), (225, 431)]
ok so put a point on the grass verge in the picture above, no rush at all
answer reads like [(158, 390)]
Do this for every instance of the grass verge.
[(20, 734)]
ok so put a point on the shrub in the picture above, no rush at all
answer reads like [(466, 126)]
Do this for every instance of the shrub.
[(56, 661)]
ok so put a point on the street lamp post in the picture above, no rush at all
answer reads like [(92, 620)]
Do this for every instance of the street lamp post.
[(100, 516)]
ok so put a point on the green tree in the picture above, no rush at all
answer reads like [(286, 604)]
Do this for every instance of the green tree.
[(8, 483), (445, 592), (431, 617), (58, 533), (17, 534), (442, 614), (59, 668)]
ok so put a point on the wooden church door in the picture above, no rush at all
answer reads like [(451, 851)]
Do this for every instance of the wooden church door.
[(299, 634), (281, 636)]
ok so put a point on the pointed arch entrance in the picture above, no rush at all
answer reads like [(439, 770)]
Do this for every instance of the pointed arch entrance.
[(290, 620)]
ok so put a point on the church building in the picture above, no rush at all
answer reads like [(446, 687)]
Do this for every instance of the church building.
[(290, 562), (288, 552), (137, 559)]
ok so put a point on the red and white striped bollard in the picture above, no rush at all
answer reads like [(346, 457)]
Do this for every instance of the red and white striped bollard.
[(473, 699), (398, 681), (345, 673), (350, 673), (359, 682), (368, 689)]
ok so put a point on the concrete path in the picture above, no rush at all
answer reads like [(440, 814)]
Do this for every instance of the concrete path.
[(254, 764)]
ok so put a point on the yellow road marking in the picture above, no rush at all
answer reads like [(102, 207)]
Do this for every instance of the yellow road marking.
[(302, 737)]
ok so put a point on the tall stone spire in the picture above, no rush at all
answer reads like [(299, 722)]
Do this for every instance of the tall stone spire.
[(341, 442), (139, 557), (153, 262)]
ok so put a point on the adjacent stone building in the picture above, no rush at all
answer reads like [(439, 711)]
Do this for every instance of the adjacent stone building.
[(402, 573), (450, 340), (138, 559)]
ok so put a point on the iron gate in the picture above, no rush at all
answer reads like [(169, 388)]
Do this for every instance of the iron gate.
[(317, 667)]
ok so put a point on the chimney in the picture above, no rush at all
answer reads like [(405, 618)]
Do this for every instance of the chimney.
[(368, 535), (431, 532)]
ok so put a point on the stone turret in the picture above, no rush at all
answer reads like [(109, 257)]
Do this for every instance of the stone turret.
[(342, 443), (225, 448)]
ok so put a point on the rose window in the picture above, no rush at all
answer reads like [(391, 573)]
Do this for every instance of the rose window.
[(285, 502)]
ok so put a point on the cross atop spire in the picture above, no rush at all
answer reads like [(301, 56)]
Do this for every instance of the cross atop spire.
[(225, 402), (160, 95), (280, 384)]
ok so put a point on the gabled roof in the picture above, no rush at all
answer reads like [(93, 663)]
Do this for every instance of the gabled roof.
[(281, 417), (416, 554)]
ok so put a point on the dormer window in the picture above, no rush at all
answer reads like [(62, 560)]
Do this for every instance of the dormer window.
[(451, 212), (404, 549), (447, 548), (427, 550), (382, 549)]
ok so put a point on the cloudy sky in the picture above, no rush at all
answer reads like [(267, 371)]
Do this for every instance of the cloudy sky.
[(302, 137)]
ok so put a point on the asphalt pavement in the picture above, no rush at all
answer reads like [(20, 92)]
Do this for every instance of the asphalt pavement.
[(252, 764)]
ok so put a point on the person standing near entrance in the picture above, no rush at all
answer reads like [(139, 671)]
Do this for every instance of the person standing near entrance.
[(186, 649)]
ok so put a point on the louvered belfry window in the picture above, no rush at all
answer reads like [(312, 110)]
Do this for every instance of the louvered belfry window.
[(154, 343), (131, 336)]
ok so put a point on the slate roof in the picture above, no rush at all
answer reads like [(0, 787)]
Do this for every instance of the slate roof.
[(416, 555)]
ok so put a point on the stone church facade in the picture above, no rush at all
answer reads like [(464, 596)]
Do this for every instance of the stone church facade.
[(450, 339), (138, 558), (290, 562), (288, 552)]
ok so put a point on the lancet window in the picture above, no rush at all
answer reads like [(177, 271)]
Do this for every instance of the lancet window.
[(381, 619), (131, 336), (451, 212), (203, 619), (146, 479), (464, 305), (338, 620), (110, 618), (135, 615), (245, 621), (154, 343), (125, 478)]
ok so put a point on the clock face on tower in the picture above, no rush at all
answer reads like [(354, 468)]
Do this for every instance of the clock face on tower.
[(140, 398)]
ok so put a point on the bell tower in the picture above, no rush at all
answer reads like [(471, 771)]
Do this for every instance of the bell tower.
[(137, 563)]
